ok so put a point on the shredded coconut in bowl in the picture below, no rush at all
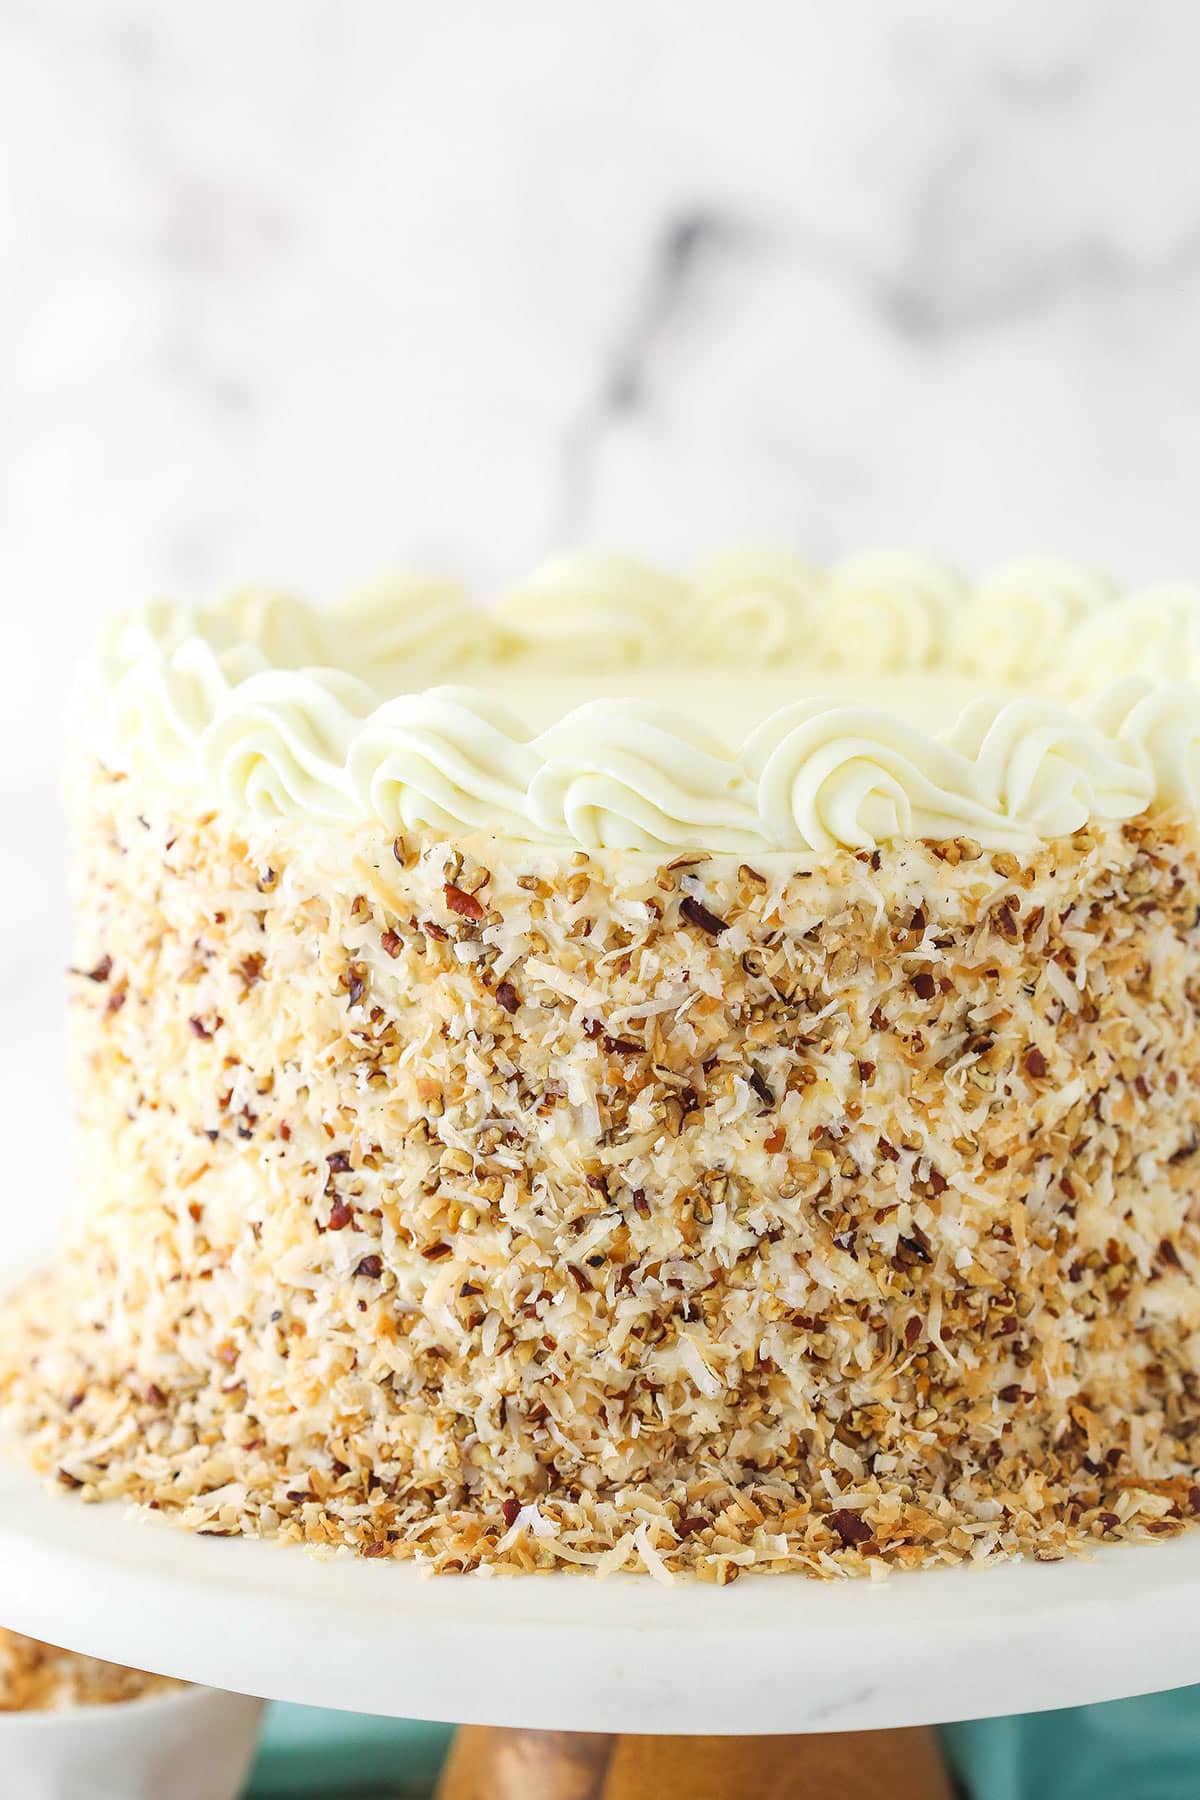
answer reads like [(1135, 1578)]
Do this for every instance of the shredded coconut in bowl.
[(36, 1677)]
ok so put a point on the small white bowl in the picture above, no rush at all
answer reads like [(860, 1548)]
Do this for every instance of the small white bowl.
[(190, 1743)]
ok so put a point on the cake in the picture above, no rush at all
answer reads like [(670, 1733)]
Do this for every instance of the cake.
[(686, 1074)]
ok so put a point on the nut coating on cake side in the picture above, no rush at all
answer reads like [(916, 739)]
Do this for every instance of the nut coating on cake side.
[(689, 1216)]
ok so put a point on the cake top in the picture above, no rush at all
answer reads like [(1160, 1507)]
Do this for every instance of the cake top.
[(757, 705)]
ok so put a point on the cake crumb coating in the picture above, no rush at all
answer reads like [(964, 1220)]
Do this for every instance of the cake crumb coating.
[(515, 1210)]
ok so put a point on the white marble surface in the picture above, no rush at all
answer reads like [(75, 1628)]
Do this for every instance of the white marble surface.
[(568, 1654), (300, 290)]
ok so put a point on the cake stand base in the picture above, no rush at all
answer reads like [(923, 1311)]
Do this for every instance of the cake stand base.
[(487, 1764)]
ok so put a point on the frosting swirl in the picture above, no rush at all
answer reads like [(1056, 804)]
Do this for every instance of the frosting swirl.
[(402, 628), (1161, 726), (286, 630), (1047, 768), (830, 776), (593, 612), (212, 698), (1154, 632), (281, 740), (151, 631), (163, 704), (888, 610), (629, 775), (758, 606), (448, 759), (1020, 616)]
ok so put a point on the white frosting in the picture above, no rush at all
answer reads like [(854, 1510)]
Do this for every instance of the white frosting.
[(887, 610), (164, 703), (281, 742), (286, 632), (382, 632), (757, 607), (1161, 727), (1049, 768), (850, 776), (594, 612), (1055, 733), (732, 702), (1019, 618), (1155, 632), (448, 759), (633, 775)]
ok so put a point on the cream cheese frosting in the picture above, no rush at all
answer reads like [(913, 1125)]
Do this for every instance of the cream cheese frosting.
[(757, 705)]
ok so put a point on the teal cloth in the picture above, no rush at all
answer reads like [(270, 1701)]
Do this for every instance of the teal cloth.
[(1128, 1750), (1146, 1749), (305, 1752)]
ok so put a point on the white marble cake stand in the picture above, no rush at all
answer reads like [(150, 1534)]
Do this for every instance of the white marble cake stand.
[(777, 1654)]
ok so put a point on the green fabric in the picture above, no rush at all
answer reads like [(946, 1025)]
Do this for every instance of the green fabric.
[(1130, 1750), (1145, 1749), (337, 1756)]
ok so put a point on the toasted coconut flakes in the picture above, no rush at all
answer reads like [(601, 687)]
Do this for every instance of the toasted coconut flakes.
[(36, 1677), (651, 1559), (697, 1368), (598, 1279)]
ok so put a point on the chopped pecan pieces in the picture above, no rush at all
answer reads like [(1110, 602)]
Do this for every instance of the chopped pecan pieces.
[(464, 904), (700, 916)]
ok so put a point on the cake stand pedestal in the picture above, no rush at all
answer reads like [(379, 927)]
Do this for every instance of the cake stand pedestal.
[(767, 1655), (487, 1764)]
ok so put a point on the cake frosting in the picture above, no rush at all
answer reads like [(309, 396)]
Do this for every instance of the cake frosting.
[(679, 1073), (1003, 712)]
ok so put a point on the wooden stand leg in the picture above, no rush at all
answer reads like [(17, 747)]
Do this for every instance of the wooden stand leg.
[(488, 1764)]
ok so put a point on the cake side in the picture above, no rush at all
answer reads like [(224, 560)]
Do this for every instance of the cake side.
[(498, 1204)]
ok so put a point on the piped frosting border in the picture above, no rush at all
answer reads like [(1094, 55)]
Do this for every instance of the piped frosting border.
[(234, 702)]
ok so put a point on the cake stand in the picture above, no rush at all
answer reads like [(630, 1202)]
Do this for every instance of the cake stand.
[(564, 1654), (768, 1654)]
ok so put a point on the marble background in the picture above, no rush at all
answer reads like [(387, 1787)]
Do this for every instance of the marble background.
[(300, 290)]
